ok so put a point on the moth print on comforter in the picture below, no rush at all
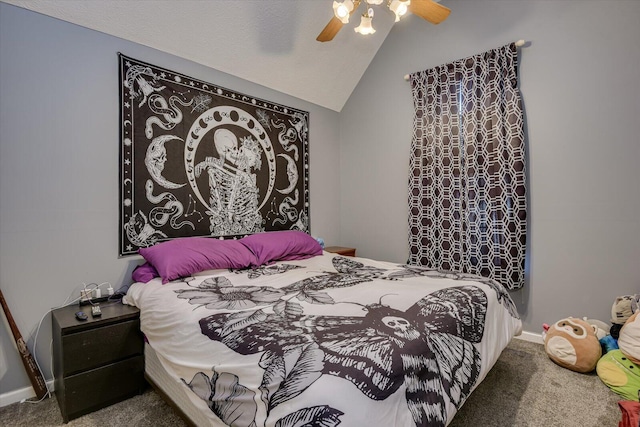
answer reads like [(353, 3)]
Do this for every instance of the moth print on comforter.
[(429, 347)]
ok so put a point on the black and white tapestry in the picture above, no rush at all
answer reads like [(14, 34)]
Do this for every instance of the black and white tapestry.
[(201, 160)]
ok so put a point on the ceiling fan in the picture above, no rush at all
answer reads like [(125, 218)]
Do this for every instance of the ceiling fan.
[(427, 9)]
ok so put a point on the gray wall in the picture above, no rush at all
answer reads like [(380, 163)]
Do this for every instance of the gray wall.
[(579, 82), (59, 167), (59, 155)]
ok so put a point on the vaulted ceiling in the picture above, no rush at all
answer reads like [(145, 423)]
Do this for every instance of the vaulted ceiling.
[(269, 42)]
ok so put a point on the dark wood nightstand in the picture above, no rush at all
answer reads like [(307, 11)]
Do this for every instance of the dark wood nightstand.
[(341, 250), (99, 361)]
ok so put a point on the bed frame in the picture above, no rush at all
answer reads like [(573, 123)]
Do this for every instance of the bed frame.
[(173, 392)]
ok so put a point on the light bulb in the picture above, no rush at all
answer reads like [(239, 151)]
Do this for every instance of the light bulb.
[(365, 26), (343, 10), (399, 8)]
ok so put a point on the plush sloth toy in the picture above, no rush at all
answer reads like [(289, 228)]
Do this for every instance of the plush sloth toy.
[(572, 343)]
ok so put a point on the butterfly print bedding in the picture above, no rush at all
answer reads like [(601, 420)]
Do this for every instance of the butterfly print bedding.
[(331, 341)]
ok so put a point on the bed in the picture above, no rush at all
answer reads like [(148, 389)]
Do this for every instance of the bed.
[(294, 336)]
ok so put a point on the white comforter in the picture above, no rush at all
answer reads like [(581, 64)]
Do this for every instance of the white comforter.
[(327, 341)]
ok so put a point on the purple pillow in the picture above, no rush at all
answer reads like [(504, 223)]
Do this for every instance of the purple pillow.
[(143, 273), (281, 246), (186, 256)]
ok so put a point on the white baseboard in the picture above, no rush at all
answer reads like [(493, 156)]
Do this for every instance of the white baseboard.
[(21, 394), (531, 337)]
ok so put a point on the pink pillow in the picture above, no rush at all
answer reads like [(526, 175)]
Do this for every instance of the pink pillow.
[(186, 256), (281, 246), (143, 273)]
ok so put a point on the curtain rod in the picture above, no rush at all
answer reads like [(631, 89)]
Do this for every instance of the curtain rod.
[(519, 43)]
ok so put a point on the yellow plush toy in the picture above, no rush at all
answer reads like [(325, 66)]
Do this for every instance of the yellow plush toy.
[(572, 343)]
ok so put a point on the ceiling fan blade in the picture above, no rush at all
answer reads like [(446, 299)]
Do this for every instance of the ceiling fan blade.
[(330, 31), (332, 28), (429, 10)]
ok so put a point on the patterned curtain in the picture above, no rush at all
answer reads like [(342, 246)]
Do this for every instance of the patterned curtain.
[(467, 192)]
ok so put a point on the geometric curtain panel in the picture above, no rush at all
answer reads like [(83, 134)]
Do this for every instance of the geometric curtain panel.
[(197, 159), (467, 189)]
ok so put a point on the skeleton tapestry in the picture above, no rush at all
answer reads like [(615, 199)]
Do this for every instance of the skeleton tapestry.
[(201, 160)]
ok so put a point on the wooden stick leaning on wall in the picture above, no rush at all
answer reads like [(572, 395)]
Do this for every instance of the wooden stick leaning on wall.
[(30, 365)]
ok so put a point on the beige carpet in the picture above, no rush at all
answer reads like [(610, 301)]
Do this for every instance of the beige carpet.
[(524, 389), (147, 409)]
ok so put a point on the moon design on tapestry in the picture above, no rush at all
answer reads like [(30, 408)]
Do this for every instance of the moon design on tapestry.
[(292, 174), (233, 205), (156, 158)]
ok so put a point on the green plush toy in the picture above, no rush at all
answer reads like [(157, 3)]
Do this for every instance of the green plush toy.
[(620, 374)]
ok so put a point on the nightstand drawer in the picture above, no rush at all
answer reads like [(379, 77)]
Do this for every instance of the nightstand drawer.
[(88, 391), (98, 361), (95, 347)]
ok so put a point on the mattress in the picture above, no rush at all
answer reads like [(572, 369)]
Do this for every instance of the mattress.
[(328, 341)]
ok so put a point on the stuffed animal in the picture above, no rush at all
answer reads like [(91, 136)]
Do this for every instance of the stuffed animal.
[(620, 374), (572, 343), (623, 307), (608, 343), (601, 328), (629, 339)]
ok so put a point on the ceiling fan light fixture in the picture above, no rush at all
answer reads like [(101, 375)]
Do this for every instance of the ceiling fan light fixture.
[(365, 26), (399, 7), (429, 10), (342, 10)]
